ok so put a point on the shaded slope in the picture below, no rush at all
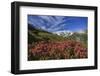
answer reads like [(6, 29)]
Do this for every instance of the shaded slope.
[(36, 35)]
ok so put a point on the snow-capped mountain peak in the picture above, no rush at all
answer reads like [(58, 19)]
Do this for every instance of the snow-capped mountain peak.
[(64, 33)]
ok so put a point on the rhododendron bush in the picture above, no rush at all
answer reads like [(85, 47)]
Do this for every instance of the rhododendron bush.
[(46, 50)]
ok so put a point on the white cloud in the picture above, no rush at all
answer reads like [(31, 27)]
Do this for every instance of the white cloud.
[(48, 23)]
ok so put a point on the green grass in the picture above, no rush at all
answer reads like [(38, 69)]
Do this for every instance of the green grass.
[(39, 35)]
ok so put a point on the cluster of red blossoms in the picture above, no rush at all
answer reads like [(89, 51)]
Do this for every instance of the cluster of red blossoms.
[(57, 50)]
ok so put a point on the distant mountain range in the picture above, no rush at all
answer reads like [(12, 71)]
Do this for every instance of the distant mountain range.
[(35, 35), (63, 33), (66, 33)]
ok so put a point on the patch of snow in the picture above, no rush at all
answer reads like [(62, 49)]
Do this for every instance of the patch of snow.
[(63, 33)]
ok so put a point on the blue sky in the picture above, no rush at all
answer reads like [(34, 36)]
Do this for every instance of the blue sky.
[(58, 23)]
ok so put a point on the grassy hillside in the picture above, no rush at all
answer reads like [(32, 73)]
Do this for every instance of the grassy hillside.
[(35, 35), (43, 45), (79, 37)]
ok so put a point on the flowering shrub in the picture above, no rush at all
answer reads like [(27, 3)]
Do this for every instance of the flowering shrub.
[(46, 50)]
